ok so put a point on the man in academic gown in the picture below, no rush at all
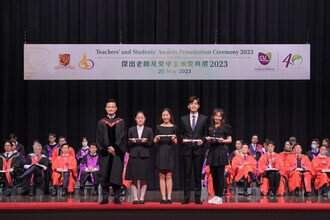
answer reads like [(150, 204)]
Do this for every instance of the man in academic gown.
[(35, 170), (271, 170), (64, 171), (89, 170), (244, 167), (254, 147), (321, 170), (20, 147), (10, 166), (111, 143), (298, 168)]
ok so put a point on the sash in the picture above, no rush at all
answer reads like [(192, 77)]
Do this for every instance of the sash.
[(113, 123)]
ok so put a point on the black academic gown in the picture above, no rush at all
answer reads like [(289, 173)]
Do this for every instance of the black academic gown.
[(112, 133)]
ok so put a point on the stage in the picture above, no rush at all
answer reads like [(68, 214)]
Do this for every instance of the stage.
[(87, 207)]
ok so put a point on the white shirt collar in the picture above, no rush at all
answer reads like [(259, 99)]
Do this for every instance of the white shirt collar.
[(111, 116), (195, 114), (8, 154)]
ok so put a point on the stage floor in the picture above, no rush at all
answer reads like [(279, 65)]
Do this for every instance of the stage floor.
[(155, 197), (87, 207)]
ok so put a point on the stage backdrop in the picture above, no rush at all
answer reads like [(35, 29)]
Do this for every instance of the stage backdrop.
[(165, 61), (273, 109)]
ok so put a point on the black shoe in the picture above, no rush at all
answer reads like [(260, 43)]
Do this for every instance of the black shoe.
[(186, 201), (54, 192), (246, 193), (271, 193), (198, 202), (8, 193), (116, 201), (104, 201), (135, 202), (307, 194), (63, 193), (31, 192), (325, 194), (163, 201), (82, 193), (94, 192), (23, 192), (297, 192), (141, 202), (168, 201)]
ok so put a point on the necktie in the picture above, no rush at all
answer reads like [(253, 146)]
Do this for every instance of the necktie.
[(193, 124), (244, 158), (298, 162)]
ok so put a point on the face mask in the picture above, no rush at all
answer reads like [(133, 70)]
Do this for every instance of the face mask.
[(84, 144), (314, 146)]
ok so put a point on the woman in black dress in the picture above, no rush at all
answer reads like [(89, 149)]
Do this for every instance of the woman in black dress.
[(140, 139), (165, 139), (219, 137)]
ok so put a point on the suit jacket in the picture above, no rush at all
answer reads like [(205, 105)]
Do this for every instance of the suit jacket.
[(200, 132), (139, 149)]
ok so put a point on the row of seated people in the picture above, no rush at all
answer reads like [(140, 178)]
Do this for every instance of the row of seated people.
[(275, 172), (269, 170), (35, 169)]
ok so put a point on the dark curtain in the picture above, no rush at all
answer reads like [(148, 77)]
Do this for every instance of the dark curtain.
[(271, 109)]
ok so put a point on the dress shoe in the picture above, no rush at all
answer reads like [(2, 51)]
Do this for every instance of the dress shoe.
[(307, 194), (82, 192), (135, 202), (116, 201), (54, 192), (63, 193), (198, 202), (186, 201), (94, 192), (104, 201), (8, 193)]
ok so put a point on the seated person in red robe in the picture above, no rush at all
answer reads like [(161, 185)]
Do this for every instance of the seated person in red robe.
[(298, 168), (244, 167), (57, 152), (271, 171), (10, 167), (64, 171), (287, 150), (321, 171)]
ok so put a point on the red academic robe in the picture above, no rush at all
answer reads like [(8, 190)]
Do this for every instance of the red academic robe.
[(65, 162), (320, 163), (70, 152), (285, 154), (248, 165), (295, 177), (277, 163)]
